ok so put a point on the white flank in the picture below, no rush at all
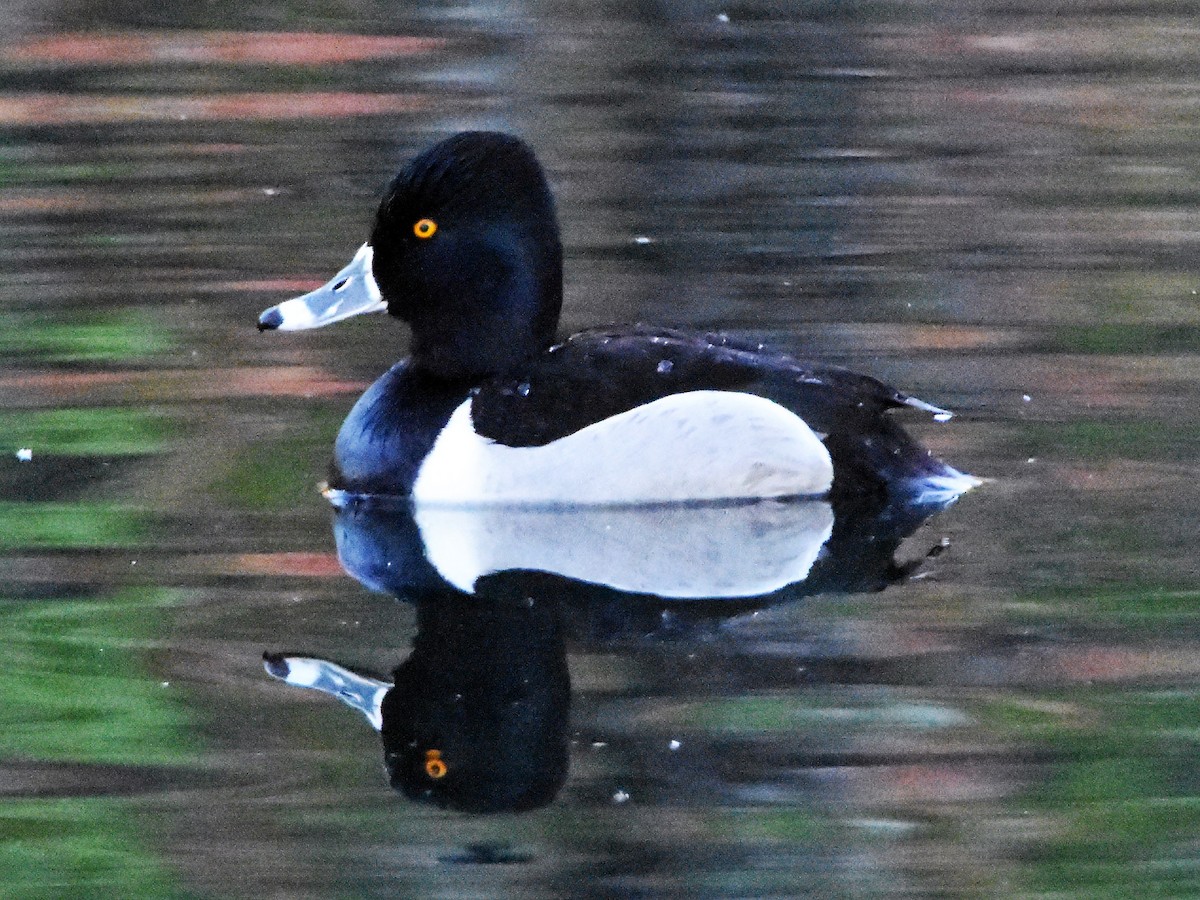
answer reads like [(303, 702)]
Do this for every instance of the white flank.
[(682, 552), (697, 446)]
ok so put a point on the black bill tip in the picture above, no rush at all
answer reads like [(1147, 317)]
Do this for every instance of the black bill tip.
[(270, 320)]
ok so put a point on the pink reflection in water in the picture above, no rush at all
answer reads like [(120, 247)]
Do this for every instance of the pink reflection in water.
[(191, 47), (62, 109)]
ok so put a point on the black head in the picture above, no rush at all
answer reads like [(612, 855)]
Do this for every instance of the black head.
[(466, 250), (478, 717)]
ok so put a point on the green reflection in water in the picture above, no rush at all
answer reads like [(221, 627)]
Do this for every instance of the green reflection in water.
[(781, 714), (76, 848), (14, 172), (74, 687), (1108, 440), (1121, 337), (1028, 719), (790, 826), (121, 336), (116, 431), (1123, 809), (70, 525), (1150, 607), (76, 691), (273, 473)]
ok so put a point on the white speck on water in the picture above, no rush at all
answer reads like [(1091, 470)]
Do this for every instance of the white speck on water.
[(723, 18), (1026, 397), (25, 454), (523, 389), (1031, 459), (270, 192), (674, 745), (620, 796), (133, 562), (165, 684), (597, 745), (665, 366), (943, 416), (642, 240)]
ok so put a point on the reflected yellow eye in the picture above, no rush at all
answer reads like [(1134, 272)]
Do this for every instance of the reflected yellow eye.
[(435, 768), (425, 228)]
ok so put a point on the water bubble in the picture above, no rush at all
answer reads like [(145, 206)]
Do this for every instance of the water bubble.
[(665, 366), (523, 388)]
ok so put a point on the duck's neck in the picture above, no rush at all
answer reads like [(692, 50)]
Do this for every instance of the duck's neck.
[(467, 366)]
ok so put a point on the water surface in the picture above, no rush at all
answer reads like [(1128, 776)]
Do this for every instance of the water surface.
[(995, 208)]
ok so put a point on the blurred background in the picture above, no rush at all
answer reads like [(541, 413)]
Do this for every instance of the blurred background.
[(995, 206)]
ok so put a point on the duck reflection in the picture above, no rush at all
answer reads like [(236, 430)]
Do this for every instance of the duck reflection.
[(669, 551), (476, 718)]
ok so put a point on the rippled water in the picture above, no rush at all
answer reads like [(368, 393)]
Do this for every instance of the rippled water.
[(995, 207)]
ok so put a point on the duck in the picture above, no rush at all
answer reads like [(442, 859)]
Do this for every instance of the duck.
[(492, 407)]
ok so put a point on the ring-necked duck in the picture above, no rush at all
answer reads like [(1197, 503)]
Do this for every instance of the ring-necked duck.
[(488, 408)]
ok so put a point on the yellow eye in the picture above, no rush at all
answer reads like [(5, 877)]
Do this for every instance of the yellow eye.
[(425, 228), (434, 767)]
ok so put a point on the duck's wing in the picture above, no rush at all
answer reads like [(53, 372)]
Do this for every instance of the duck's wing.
[(600, 373)]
